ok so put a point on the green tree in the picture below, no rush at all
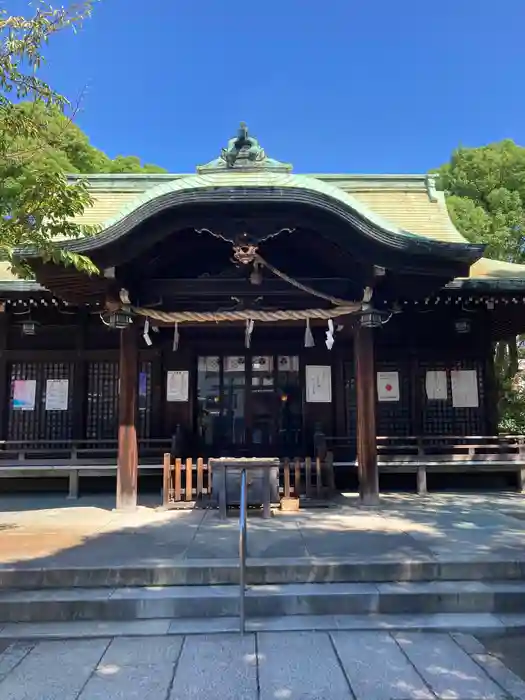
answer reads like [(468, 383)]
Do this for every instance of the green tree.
[(40, 144), (59, 142), (486, 197), (132, 164), (485, 190)]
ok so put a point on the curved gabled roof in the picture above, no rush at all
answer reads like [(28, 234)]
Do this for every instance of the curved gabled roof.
[(266, 186), (402, 213)]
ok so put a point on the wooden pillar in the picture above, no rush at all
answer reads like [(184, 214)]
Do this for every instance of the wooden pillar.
[(491, 400), (127, 471), (416, 407), (366, 415)]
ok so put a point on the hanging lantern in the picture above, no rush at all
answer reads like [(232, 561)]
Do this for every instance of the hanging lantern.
[(29, 327), (118, 319), (462, 326), (372, 318)]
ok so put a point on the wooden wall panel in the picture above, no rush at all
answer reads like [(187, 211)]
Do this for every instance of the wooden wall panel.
[(40, 424)]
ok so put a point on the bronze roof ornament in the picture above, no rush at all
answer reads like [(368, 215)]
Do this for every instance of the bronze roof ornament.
[(244, 153)]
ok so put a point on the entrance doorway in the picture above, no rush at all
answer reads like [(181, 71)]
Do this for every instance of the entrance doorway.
[(249, 405)]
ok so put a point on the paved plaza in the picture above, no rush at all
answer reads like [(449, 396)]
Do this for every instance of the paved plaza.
[(50, 531), (265, 666), (275, 659)]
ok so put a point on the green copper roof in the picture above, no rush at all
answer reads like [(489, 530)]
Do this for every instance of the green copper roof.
[(243, 153), (229, 185)]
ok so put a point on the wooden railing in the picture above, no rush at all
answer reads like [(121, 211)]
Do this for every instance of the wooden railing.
[(458, 447), (77, 451), (190, 480), (446, 448), (439, 454)]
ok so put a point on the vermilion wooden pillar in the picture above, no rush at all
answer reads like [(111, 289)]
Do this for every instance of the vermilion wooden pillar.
[(127, 470), (366, 415)]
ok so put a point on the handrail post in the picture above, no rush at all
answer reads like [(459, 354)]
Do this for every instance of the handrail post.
[(242, 550)]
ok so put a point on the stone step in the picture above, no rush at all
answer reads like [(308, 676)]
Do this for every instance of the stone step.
[(197, 572), (473, 623), (264, 601)]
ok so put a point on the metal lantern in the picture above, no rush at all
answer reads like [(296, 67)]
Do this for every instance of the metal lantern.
[(119, 319), (373, 318), (29, 328), (462, 325)]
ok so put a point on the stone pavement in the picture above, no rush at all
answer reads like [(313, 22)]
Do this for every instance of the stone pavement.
[(510, 649), (46, 532), (264, 666)]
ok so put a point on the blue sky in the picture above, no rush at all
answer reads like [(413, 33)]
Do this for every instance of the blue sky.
[(339, 86)]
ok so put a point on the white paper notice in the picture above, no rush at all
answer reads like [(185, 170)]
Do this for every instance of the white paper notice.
[(57, 391), (318, 383), (177, 385), (464, 383), (388, 386), (436, 385), (24, 394)]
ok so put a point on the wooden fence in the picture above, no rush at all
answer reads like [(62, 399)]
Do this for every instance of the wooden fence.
[(188, 480)]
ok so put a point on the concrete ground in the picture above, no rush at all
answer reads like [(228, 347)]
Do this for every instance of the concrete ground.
[(50, 531), (265, 666)]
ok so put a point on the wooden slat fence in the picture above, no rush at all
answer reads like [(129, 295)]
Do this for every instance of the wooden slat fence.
[(189, 480)]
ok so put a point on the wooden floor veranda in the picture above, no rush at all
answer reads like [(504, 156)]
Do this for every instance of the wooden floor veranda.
[(188, 478)]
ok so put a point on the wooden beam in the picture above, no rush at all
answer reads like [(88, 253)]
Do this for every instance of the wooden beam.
[(127, 471), (366, 416), (217, 286)]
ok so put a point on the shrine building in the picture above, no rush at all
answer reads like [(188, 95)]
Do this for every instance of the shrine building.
[(249, 310)]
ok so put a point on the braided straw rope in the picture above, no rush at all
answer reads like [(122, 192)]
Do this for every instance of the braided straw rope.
[(246, 315)]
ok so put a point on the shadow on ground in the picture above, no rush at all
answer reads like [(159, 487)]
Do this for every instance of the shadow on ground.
[(46, 532)]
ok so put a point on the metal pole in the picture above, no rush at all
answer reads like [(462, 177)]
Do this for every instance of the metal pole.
[(242, 550)]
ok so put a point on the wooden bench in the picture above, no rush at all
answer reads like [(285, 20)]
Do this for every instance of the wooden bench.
[(445, 454), (55, 458)]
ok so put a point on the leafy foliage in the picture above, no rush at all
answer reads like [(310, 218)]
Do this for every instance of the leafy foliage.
[(40, 144), (485, 190), (486, 197)]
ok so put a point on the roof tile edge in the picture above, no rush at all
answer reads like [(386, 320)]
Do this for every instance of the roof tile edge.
[(125, 181)]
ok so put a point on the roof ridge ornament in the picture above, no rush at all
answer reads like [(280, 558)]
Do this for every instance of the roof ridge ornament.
[(244, 153)]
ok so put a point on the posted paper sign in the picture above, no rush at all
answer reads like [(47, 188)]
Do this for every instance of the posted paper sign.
[(318, 383), (388, 386), (57, 391), (24, 393), (436, 385), (177, 385), (464, 383)]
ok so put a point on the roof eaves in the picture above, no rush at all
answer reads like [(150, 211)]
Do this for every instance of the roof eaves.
[(126, 181), (21, 286), (503, 284)]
